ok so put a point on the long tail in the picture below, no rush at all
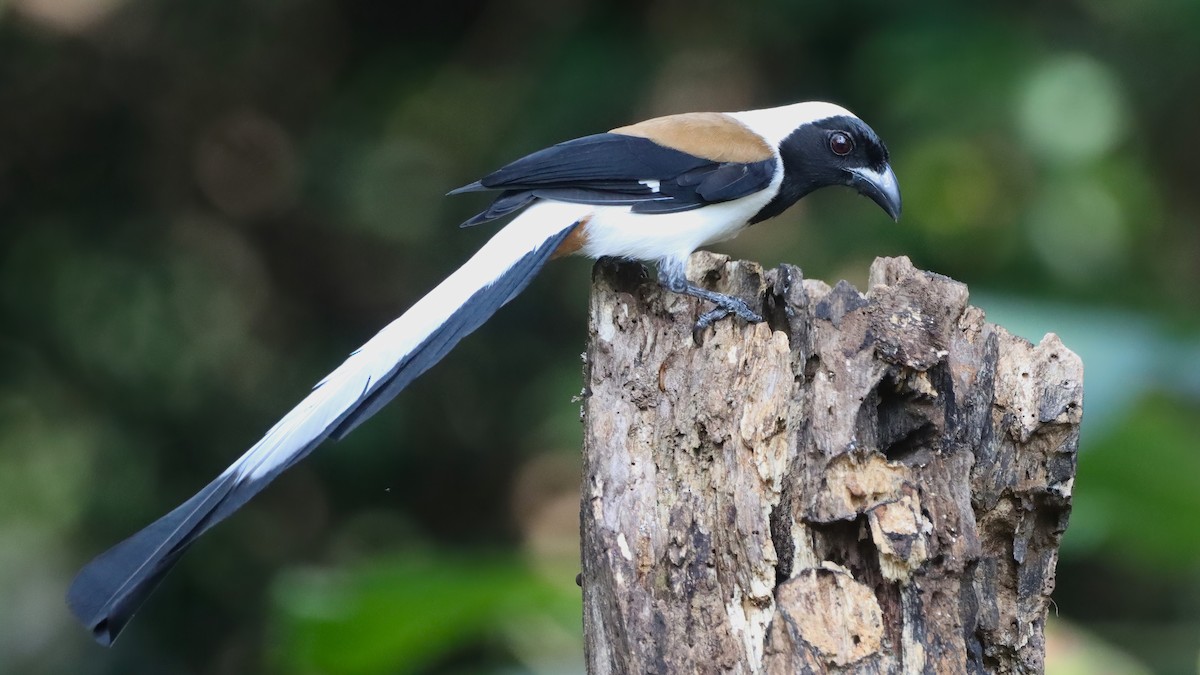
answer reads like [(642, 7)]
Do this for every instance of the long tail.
[(106, 592)]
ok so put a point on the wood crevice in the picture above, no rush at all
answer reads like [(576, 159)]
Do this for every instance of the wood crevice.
[(870, 482)]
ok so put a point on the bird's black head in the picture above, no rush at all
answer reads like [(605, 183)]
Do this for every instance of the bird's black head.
[(840, 150)]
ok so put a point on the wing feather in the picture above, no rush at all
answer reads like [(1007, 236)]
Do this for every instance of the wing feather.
[(619, 169)]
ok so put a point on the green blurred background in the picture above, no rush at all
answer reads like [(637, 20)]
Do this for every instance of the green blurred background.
[(204, 206)]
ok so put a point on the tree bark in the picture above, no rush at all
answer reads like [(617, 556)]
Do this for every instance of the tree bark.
[(864, 483)]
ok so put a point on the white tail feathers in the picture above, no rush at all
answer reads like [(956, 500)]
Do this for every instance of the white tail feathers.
[(107, 592)]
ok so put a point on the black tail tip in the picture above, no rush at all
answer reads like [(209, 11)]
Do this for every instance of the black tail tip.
[(105, 633), (105, 620), (104, 628)]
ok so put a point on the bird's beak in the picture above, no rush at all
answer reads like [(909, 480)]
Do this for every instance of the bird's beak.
[(880, 186)]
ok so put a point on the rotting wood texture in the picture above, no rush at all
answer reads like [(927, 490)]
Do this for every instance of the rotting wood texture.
[(864, 483)]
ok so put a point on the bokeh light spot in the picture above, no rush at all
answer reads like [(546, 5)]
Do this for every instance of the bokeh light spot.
[(246, 165), (1071, 110), (1078, 229), (43, 462), (397, 190), (64, 16), (950, 185)]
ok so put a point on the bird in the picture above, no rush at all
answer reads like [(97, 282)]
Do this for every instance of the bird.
[(654, 191)]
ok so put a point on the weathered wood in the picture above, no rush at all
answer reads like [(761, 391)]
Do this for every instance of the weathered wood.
[(867, 483)]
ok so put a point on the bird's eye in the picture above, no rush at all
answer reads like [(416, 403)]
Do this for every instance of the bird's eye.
[(840, 143)]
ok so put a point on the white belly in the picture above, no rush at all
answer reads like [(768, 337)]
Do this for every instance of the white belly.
[(616, 231)]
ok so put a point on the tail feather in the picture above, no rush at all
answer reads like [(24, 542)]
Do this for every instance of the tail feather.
[(478, 309), (107, 591)]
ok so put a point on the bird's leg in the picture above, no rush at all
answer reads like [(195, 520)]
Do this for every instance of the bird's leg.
[(671, 275)]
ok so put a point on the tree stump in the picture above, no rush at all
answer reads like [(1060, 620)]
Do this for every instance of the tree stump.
[(864, 483)]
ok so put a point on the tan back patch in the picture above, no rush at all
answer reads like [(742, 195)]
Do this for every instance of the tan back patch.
[(714, 136)]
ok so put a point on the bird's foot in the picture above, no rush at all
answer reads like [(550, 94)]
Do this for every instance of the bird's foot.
[(726, 305), (672, 277)]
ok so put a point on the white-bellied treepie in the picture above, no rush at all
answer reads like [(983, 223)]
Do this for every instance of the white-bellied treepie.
[(653, 191)]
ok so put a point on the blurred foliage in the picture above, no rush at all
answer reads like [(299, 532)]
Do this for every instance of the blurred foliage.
[(1135, 530), (413, 612), (204, 205)]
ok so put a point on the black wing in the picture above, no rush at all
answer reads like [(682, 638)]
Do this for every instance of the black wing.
[(616, 169)]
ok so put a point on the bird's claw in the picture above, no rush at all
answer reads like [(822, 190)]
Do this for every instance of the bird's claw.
[(725, 307)]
